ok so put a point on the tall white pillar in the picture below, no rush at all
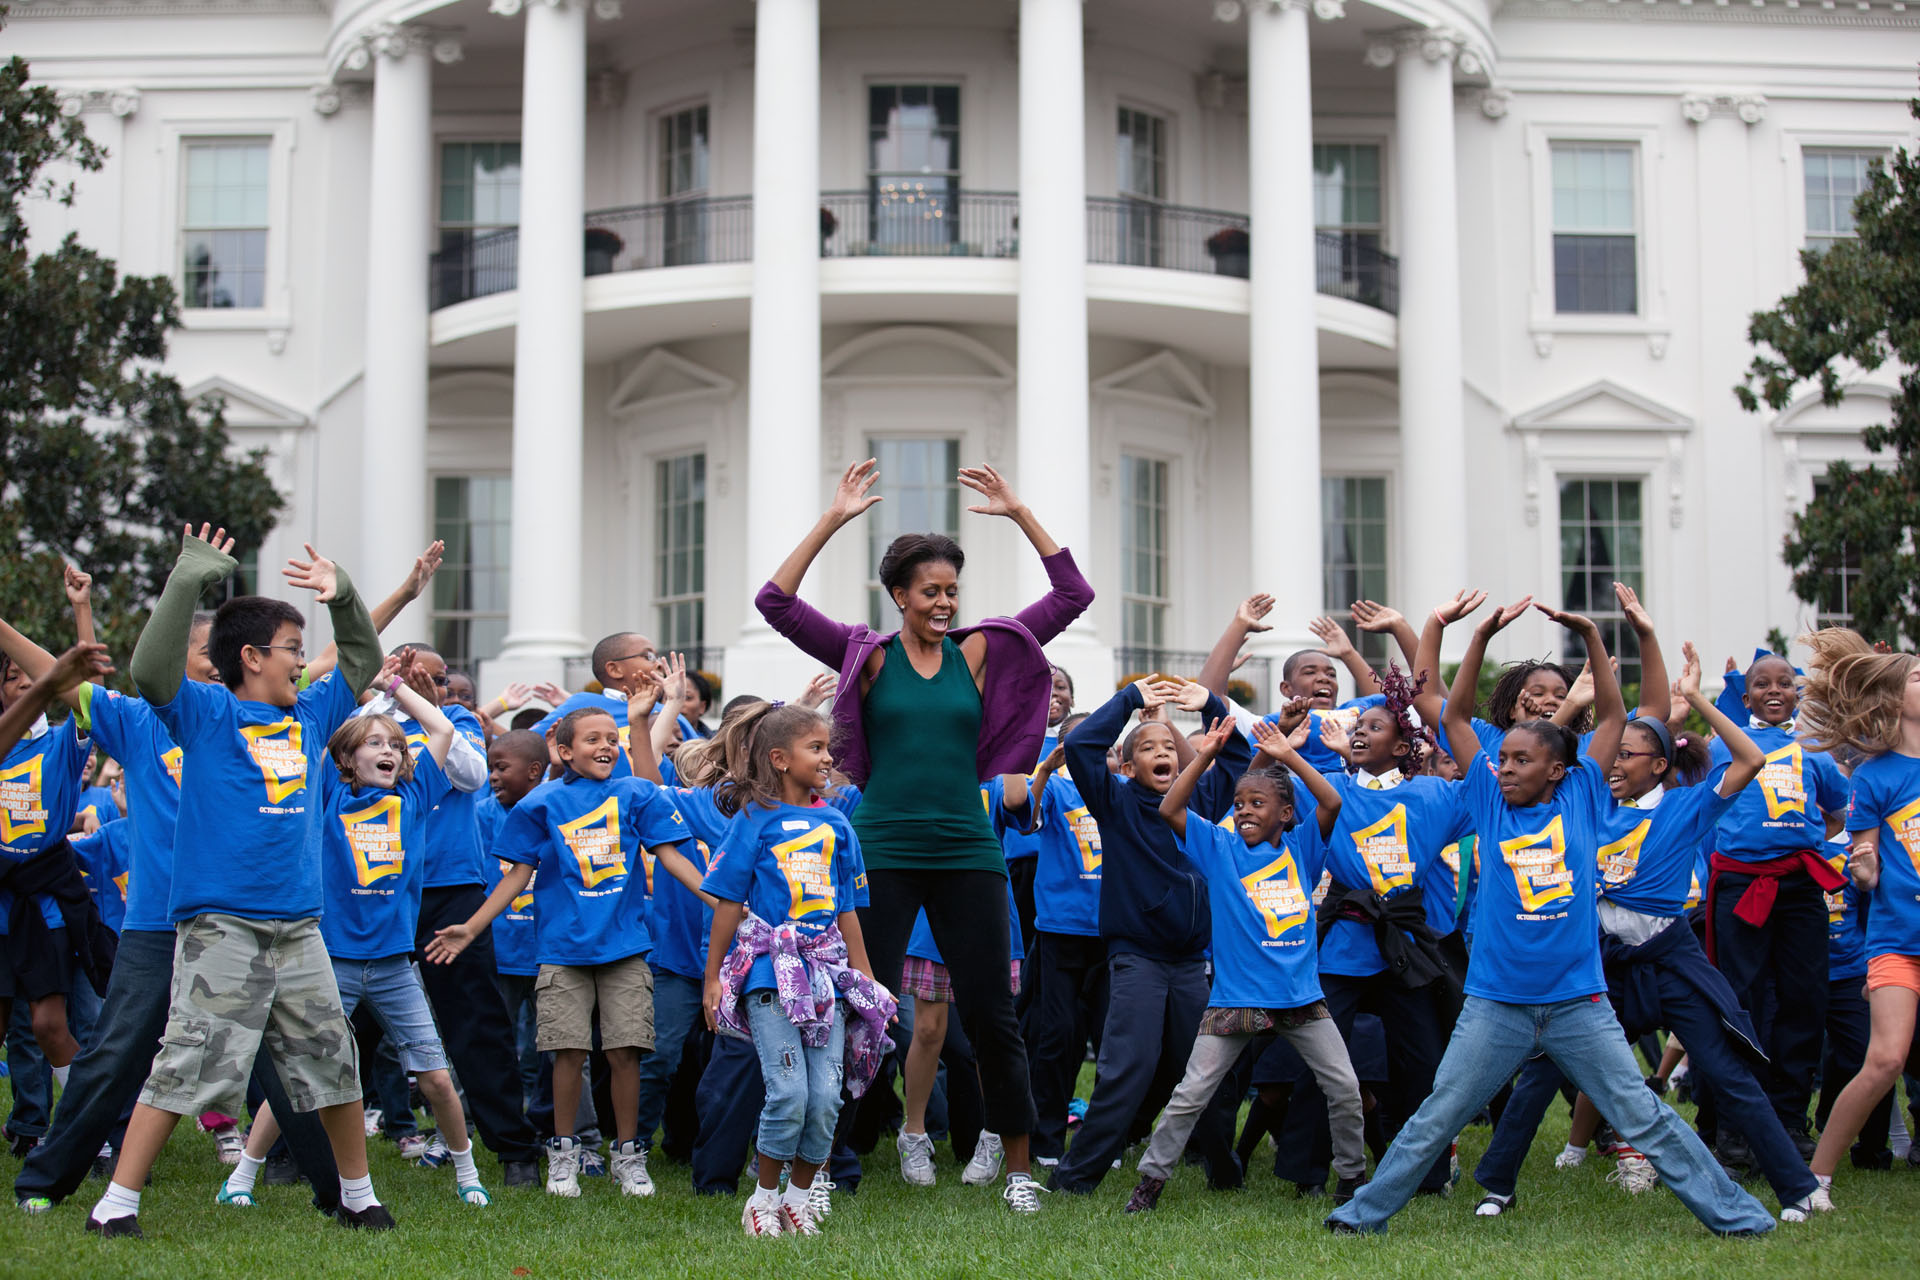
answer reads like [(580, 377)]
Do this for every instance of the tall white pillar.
[(1433, 445), (784, 489), (1054, 452), (1283, 341), (393, 433), (543, 607)]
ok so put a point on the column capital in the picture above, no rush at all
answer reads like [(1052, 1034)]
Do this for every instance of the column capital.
[(1493, 102), (121, 102), (328, 98), (605, 10), (397, 40), (1748, 108), (1325, 10), (1435, 44)]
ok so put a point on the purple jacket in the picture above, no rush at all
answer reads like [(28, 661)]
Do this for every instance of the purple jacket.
[(1013, 710)]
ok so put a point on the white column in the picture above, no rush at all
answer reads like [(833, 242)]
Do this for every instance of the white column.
[(543, 609), (784, 489), (1283, 343), (1054, 452), (393, 434), (1433, 446)]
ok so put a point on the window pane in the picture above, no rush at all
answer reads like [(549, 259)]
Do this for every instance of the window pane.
[(920, 480), (1593, 188), (1354, 536), (1144, 553), (1601, 542), (470, 514)]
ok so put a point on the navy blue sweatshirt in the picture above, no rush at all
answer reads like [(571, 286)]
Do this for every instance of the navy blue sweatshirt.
[(1153, 902)]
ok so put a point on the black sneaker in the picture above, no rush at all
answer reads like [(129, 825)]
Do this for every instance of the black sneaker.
[(1343, 1190), (521, 1173), (1340, 1228), (279, 1171), (1803, 1142), (1146, 1195), (1878, 1160), (1308, 1191), (372, 1218), (126, 1225)]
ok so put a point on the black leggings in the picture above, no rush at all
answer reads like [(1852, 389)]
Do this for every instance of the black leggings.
[(967, 912)]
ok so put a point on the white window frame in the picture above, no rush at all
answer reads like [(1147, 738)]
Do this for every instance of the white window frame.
[(1650, 321), (482, 469), (1612, 612), (1169, 132), (656, 153), (657, 601), (1794, 144), (441, 141), (1812, 437), (1383, 144), (1337, 609), (276, 311), (1170, 568)]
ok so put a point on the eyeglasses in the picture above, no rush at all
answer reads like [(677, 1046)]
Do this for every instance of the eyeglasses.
[(298, 651), (649, 654), (442, 681), (1639, 755)]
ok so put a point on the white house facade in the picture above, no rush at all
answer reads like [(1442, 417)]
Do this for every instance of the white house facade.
[(1327, 298)]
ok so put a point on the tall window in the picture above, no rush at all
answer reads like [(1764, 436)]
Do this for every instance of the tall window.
[(913, 165), (683, 184), (1353, 512), (1595, 253), (920, 480), (471, 514), (1140, 161), (1143, 552), (479, 199), (1347, 205), (1601, 542), (224, 263), (680, 551), (1834, 179), (1836, 595)]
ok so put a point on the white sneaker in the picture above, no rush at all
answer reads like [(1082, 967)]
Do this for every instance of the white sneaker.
[(820, 1197), (228, 1145), (1821, 1201), (796, 1220), (1635, 1174), (630, 1169), (563, 1168), (1570, 1158), (1022, 1194), (758, 1219), (375, 1118), (916, 1159), (988, 1156)]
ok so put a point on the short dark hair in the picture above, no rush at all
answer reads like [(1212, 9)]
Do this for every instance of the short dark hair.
[(563, 732), (243, 621), (701, 685), (906, 553), (523, 745), (1293, 660), (608, 650), (1055, 668), (1280, 783), (1128, 743), (739, 699), (526, 718), (418, 646), (1556, 738)]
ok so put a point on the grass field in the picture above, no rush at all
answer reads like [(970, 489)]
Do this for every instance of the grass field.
[(1568, 1224)]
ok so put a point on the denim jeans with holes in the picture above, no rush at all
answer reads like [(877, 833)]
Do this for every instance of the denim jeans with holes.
[(803, 1084)]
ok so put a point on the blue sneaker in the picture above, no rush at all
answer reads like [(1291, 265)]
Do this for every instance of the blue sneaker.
[(592, 1163), (435, 1154), (238, 1199)]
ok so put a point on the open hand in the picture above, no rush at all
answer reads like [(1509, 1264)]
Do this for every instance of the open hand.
[(79, 586), (1636, 612), (1192, 695), (1332, 637), (1215, 738), (673, 680), (216, 538), (1503, 617), (1333, 736), (316, 573), (425, 565), (78, 665), (515, 695), (1688, 685), (550, 693), (1255, 607), (1155, 692), (1371, 616), (1276, 742), (989, 483), (818, 690), (448, 943), (854, 493), (1462, 604), (1571, 621)]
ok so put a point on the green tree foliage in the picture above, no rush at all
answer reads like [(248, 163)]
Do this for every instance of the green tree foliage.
[(1858, 311), (102, 457)]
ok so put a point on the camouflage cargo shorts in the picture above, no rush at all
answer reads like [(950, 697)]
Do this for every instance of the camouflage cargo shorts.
[(240, 985)]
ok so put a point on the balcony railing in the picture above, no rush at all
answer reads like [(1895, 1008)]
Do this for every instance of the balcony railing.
[(914, 219)]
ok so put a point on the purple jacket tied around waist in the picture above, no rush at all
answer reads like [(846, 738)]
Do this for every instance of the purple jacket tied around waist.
[(1013, 710), (811, 971)]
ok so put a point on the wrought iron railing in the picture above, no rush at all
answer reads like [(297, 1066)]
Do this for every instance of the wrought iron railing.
[(919, 219), (1144, 233)]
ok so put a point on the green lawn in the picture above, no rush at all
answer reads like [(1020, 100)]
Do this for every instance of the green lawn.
[(1570, 1224)]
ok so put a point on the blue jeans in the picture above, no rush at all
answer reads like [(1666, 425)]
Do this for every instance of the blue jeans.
[(803, 1083), (1583, 1037), (392, 989), (676, 1008)]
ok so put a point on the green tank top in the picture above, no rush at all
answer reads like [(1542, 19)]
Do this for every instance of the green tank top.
[(922, 807)]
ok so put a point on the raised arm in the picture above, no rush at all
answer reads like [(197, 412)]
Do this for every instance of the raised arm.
[(815, 634), (1282, 748), (640, 706), (32, 659), (1655, 692), (1338, 646), (1609, 711), (1426, 658), (1019, 794), (1458, 719), (1173, 805), (1748, 758), (1086, 747), (1068, 592), (69, 671), (79, 588), (425, 565), (353, 632), (1371, 616), (160, 655), (433, 721), (1246, 621)]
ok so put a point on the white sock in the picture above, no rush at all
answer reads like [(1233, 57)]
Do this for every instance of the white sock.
[(357, 1193), (463, 1167), (118, 1202), (1824, 1179), (241, 1179), (1578, 1152), (60, 1074), (796, 1197), (766, 1197)]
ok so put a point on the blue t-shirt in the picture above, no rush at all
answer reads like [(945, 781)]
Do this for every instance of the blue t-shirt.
[(515, 949), (678, 920), (585, 839), (1018, 844), (1886, 794), (39, 789), (97, 803), (372, 849), (240, 846), (452, 836), (789, 865), (1389, 841), (104, 858), (921, 946), (1346, 715), (1263, 928), (1536, 937), (1784, 809), (1647, 855), (1066, 879), (128, 730), (615, 707), (1846, 931)]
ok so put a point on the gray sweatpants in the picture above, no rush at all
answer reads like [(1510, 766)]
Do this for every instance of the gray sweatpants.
[(1317, 1042)]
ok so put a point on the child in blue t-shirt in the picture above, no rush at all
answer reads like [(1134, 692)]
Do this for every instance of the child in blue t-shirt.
[(105, 859), (516, 764), (585, 833), (1534, 982), (246, 883), (1265, 978), (370, 834), (1867, 704), (787, 879)]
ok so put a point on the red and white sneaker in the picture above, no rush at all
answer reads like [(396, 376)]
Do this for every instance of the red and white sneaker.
[(759, 1219), (796, 1220)]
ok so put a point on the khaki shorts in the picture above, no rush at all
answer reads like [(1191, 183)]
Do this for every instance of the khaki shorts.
[(241, 985), (565, 995)]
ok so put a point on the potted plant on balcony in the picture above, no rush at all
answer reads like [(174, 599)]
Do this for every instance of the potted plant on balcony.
[(1229, 248), (603, 246), (828, 225)]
